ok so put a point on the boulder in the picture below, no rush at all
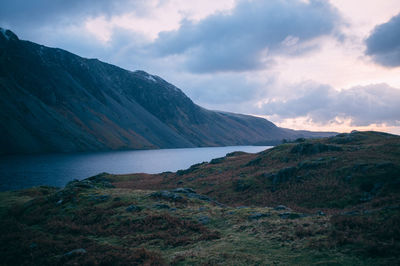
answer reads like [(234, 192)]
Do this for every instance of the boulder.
[(258, 215), (133, 208), (78, 251)]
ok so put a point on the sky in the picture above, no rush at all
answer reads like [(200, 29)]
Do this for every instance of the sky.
[(303, 64)]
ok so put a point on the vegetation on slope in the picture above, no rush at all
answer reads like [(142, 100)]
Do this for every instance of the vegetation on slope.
[(308, 202), (55, 101)]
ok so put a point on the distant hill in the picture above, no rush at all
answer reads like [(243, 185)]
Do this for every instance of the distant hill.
[(338, 172), (54, 101)]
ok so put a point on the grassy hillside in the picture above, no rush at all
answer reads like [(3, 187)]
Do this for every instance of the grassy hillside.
[(337, 172), (333, 201)]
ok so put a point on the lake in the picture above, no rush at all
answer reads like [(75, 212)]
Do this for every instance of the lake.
[(23, 171)]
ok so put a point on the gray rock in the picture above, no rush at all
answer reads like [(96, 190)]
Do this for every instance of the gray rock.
[(258, 215), (289, 215), (78, 251), (183, 190), (133, 208), (161, 206), (280, 208), (204, 219), (100, 198), (198, 196), (171, 196), (351, 213)]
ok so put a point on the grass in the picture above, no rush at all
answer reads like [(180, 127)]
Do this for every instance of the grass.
[(325, 223)]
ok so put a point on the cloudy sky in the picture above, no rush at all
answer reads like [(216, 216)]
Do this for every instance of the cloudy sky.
[(303, 64)]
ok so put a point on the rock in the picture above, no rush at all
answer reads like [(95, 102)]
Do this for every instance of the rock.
[(217, 160), (313, 148), (100, 198), (258, 215), (280, 208), (289, 215), (133, 208), (284, 215), (198, 196), (235, 153), (78, 251), (161, 206), (351, 213), (204, 219), (166, 195), (183, 190)]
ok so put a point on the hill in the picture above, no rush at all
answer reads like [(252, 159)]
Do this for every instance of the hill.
[(54, 101), (331, 201)]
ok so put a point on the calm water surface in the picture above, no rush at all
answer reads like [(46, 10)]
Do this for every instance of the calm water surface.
[(25, 171)]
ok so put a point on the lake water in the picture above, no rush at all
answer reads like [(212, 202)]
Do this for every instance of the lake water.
[(25, 171)]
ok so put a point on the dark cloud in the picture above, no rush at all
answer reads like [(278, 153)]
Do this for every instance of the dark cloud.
[(39, 12), (241, 39), (384, 43), (365, 105), (36, 18)]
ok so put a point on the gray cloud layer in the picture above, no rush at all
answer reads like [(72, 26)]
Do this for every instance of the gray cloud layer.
[(384, 43), (239, 41), (39, 12), (365, 105)]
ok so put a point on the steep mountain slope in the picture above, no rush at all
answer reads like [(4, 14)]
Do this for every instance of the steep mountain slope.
[(54, 101)]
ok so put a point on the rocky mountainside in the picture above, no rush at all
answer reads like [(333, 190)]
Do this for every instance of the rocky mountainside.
[(54, 101), (332, 201)]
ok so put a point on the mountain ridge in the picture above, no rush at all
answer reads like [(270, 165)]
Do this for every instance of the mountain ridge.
[(55, 101)]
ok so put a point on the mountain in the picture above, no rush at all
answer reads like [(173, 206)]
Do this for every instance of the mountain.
[(331, 201), (54, 101)]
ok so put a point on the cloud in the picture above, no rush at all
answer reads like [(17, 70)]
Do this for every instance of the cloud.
[(364, 105), (222, 89), (245, 38), (384, 43), (39, 12)]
